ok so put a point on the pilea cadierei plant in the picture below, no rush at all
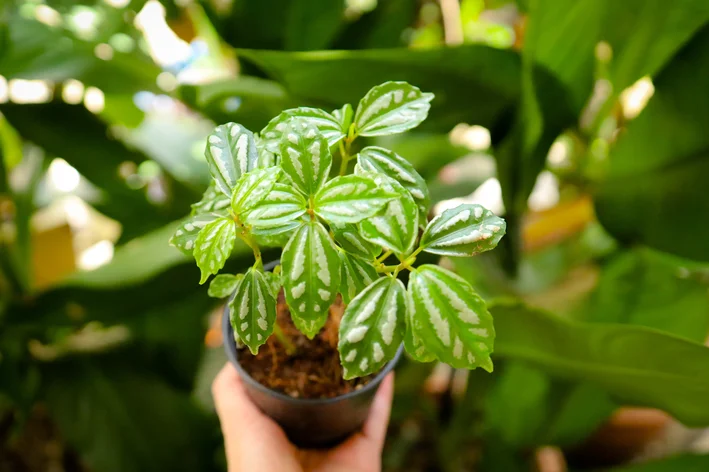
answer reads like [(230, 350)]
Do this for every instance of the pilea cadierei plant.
[(276, 189)]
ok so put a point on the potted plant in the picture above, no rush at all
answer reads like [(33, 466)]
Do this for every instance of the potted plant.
[(350, 235)]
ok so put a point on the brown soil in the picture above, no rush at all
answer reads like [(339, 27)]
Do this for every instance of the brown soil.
[(314, 371)]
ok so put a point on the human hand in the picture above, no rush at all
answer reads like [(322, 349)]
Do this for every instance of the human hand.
[(254, 442)]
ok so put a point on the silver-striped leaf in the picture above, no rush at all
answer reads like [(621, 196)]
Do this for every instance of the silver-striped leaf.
[(465, 230), (253, 310), (305, 156), (412, 343), (450, 319), (328, 125), (213, 201), (372, 327), (223, 285), (266, 158), (389, 163), (350, 199), (281, 206), (253, 187), (276, 236), (231, 152), (391, 108), (396, 226), (275, 281), (348, 237), (186, 234), (356, 275), (311, 276), (213, 246), (344, 116)]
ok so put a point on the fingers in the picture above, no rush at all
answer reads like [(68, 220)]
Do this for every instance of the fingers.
[(231, 401), (375, 427)]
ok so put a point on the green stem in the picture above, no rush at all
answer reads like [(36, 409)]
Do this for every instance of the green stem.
[(345, 158), (384, 256), (284, 340)]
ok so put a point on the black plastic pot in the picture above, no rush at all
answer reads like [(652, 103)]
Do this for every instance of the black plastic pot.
[(309, 423)]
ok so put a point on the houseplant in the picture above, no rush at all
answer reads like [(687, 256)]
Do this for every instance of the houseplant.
[(339, 236)]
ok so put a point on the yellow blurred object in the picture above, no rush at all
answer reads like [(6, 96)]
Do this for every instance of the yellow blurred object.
[(549, 227), (52, 255)]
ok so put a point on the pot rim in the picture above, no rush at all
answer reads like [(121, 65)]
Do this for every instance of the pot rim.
[(231, 351)]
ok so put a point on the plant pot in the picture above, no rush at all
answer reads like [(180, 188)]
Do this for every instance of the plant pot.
[(309, 423)]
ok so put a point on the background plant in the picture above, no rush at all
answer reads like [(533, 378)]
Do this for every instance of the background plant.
[(612, 273)]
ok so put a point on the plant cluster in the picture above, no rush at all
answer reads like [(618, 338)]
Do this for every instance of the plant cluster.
[(339, 234)]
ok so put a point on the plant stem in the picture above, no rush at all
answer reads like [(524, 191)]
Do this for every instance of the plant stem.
[(345, 158), (283, 339), (384, 257)]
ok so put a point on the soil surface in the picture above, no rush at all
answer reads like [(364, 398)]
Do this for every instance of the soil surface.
[(314, 371)]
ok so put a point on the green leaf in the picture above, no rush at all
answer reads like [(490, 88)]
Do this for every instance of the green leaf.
[(356, 275), (372, 328), (636, 365), (389, 163), (253, 309), (212, 201), (328, 125), (350, 199), (391, 108), (396, 227), (231, 152), (684, 462), (213, 246), (344, 116), (450, 319), (653, 199), (187, 232), (275, 282), (465, 230), (348, 237), (412, 343), (305, 156), (224, 285), (283, 205), (312, 25), (253, 187), (311, 276), (276, 236)]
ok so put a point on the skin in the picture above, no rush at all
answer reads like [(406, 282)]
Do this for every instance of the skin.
[(253, 441)]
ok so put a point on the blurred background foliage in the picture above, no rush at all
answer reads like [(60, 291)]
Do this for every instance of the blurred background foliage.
[(584, 122)]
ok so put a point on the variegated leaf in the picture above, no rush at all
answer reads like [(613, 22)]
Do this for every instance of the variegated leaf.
[(253, 187), (275, 282), (281, 206), (450, 319), (350, 199), (311, 276), (389, 163), (213, 201), (412, 343), (396, 226), (356, 275), (223, 285), (276, 236), (328, 125), (266, 158), (213, 246), (305, 156), (231, 152), (465, 230), (348, 237), (253, 310), (372, 327), (391, 108), (186, 234), (344, 116)]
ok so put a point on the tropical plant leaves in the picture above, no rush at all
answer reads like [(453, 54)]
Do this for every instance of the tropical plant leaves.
[(389, 163), (350, 199), (450, 319), (253, 187), (213, 246), (231, 152), (344, 116), (356, 275), (224, 285), (372, 327), (186, 234), (253, 309), (276, 236), (311, 276), (281, 206), (305, 156), (329, 126), (465, 230), (348, 237), (212, 201), (412, 343), (391, 108), (396, 227)]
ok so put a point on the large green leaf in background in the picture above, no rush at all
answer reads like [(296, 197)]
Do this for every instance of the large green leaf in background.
[(684, 463), (637, 365), (655, 190), (472, 84)]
